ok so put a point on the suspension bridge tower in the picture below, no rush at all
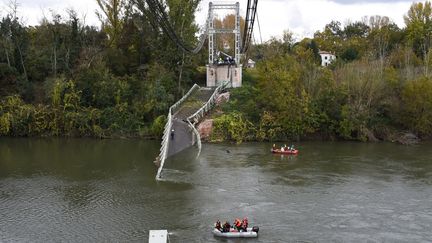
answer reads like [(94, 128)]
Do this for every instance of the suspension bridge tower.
[(223, 67)]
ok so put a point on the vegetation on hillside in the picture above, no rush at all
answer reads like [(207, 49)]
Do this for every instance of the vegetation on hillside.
[(380, 85), (64, 78)]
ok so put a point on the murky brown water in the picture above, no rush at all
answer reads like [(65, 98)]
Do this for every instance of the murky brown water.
[(82, 190)]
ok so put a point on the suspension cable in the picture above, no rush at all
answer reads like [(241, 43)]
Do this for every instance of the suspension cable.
[(248, 29), (259, 27), (157, 10)]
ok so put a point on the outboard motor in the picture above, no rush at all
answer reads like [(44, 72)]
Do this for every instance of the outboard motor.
[(255, 229)]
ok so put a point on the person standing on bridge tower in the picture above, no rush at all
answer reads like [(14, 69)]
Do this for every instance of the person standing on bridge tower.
[(172, 134)]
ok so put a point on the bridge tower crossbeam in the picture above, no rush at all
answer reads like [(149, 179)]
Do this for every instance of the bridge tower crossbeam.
[(218, 72)]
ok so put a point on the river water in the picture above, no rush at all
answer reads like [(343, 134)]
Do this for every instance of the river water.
[(83, 190)]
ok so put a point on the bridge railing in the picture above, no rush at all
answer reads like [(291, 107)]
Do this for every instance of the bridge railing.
[(196, 117), (168, 126), (193, 119), (197, 135), (180, 101)]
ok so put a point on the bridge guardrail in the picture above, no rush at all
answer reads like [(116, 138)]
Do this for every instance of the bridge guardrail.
[(200, 113), (165, 138), (194, 118)]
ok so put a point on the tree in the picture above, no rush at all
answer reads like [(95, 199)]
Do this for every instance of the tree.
[(228, 22), (381, 30), (181, 17), (417, 105), (331, 38), (282, 94), (419, 29), (111, 18), (56, 40), (355, 30), (6, 41), (74, 40)]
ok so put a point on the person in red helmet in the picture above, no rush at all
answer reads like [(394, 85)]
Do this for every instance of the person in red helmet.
[(245, 224)]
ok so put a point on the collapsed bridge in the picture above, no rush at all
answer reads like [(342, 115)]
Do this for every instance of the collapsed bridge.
[(180, 132)]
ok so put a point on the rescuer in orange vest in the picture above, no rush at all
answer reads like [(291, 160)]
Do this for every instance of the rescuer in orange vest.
[(238, 224)]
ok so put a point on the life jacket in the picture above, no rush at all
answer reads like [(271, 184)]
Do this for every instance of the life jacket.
[(237, 223), (245, 223)]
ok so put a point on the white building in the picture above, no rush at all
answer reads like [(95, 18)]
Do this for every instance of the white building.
[(250, 63), (326, 58)]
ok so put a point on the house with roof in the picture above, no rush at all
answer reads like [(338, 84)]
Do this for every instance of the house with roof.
[(327, 58), (250, 63)]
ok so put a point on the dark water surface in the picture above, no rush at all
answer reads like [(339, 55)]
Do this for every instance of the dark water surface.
[(82, 190)]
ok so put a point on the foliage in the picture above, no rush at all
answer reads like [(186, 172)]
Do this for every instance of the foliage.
[(232, 127), (63, 78), (417, 105)]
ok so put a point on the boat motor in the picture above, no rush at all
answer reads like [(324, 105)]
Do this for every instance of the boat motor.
[(255, 229)]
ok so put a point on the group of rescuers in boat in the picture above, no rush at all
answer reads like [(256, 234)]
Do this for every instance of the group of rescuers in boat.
[(284, 148), (239, 226)]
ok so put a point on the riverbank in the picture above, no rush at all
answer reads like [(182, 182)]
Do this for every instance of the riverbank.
[(238, 118), (208, 134), (224, 124), (19, 119)]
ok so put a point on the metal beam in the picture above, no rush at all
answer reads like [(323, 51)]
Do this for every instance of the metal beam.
[(212, 31), (224, 5), (223, 31)]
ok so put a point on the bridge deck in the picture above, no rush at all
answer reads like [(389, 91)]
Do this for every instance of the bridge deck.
[(183, 136)]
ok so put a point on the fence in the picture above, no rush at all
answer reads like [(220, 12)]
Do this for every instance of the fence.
[(192, 120), (165, 138), (195, 118)]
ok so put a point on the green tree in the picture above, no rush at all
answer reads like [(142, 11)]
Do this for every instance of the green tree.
[(417, 105), (111, 19), (419, 30)]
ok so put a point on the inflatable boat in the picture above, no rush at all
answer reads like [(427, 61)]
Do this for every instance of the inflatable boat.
[(278, 151), (250, 233)]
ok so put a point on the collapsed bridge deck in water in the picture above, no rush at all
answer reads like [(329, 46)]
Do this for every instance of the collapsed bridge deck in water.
[(183, 136), (180, 132)]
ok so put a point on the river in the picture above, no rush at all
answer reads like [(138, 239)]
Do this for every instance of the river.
[(84, 190)]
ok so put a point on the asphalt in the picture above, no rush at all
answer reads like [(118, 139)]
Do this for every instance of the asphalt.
[(181, 135)]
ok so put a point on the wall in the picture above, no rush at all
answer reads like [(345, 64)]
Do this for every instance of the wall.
[(216, 74)]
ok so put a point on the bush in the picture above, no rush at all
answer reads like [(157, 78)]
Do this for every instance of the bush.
[(158, 126), (417, 106), (232, 127)]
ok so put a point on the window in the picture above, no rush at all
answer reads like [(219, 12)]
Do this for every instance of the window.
[(325, 57)]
